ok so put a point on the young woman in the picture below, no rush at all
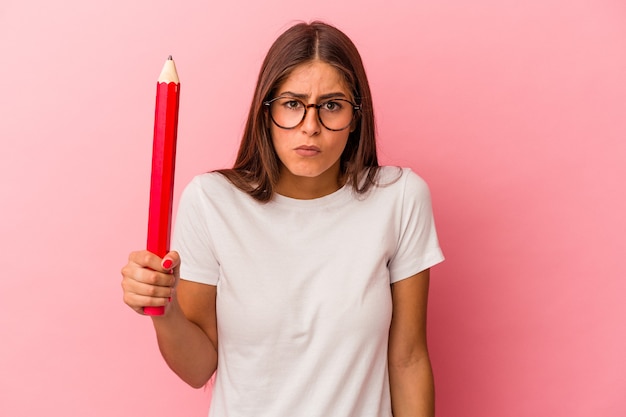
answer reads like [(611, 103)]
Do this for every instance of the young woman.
[(300, 276)]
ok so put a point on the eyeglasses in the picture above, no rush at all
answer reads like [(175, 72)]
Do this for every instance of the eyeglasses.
[(334, 114)]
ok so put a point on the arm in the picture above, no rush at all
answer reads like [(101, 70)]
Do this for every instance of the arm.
[(187, 332), (410, 373)]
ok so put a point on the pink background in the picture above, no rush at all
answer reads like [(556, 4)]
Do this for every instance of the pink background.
[(514, 112)]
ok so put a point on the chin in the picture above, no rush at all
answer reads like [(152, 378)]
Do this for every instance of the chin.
[(311, 169), (305, 174)]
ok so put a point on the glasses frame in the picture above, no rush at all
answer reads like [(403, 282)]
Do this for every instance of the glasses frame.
[(355, 108)]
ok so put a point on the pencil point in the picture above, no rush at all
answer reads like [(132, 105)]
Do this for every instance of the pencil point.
[(168, 73)]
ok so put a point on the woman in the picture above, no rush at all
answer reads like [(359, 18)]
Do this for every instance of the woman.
[(305, 267)]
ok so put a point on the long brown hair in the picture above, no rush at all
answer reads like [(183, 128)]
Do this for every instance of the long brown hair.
[(257, 167)]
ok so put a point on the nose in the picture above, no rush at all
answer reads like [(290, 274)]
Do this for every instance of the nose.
[(311, 124)]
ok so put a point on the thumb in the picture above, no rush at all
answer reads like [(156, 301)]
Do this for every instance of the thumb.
[(171, 261)]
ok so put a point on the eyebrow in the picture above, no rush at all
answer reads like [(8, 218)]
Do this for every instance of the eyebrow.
[(326, 96)]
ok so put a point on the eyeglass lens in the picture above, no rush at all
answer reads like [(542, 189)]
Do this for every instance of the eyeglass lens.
[(288, 112)]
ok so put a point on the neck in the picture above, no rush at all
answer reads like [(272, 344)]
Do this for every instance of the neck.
[(308, 188)]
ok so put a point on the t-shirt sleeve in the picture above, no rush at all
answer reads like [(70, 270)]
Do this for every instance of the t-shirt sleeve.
[(191, 236), (418, 246)]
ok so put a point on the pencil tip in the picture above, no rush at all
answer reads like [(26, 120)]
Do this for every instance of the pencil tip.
[(169, 58)]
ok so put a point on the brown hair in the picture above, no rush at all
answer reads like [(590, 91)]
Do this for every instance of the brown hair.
[(257, 168)]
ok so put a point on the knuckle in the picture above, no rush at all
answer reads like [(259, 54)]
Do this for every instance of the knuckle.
[(152, 278), (142, 257), (125, 270), (128, 300), (133, 255), (152, 291), (145, 258)]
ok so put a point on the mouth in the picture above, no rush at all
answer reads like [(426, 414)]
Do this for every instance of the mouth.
[(306, 150)]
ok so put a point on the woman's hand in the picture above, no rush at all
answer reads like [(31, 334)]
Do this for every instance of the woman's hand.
[(187, 332), (149, 281)]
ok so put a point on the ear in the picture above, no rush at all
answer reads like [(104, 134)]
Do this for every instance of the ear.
[(355, 122)]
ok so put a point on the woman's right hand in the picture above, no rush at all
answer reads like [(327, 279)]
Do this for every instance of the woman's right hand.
[(149, 281)]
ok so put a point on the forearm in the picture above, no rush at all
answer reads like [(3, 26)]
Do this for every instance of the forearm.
[(187, 350), (412, 389)]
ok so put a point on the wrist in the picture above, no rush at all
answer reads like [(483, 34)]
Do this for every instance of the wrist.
[(172, 311)]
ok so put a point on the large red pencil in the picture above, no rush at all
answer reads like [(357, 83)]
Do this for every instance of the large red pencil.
[(163, 162)]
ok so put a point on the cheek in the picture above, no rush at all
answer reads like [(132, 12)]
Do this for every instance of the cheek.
[(278, 138), (280, 142), (340, 143)]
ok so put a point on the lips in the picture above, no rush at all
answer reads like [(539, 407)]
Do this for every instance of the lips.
[(306, 150)]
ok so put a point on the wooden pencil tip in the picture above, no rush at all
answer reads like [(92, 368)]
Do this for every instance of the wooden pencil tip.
[(168, 73)]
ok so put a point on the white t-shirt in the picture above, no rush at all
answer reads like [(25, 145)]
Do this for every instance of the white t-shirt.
[(303, 290)]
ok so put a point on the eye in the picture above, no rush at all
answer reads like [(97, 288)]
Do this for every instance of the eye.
[(331, 106), (292, 104)]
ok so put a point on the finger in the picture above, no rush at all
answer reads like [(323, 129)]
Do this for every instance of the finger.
[(137, 294), (152, 277), (138, 302), (143, 289), (146, 259), (135, 272)]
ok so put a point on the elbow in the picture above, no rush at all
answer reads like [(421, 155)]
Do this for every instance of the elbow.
[(196, 384), (199, 382)]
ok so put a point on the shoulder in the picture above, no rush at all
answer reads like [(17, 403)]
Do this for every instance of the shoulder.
[(208, 179), (210, 189), (403, 180), (209, 183)]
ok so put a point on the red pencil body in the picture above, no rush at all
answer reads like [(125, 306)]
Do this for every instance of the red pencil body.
[(163, 164)]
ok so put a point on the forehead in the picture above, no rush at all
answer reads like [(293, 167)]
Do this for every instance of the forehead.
[(314, 78)]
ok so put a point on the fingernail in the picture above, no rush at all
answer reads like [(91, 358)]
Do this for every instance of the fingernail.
[(167, 264)]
